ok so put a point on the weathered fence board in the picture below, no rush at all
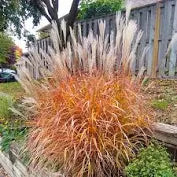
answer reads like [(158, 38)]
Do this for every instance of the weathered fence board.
[(156, 42), (151, 37), (158, 24), (173, 56)]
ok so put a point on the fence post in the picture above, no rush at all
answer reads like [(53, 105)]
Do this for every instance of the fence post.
[(173, 55), (156, 42)]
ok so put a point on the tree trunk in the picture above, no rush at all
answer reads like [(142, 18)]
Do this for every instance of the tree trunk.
[(50, 11), (71, 17)]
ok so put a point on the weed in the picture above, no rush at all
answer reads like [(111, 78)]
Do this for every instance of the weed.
[(160, 104), (11, 132)]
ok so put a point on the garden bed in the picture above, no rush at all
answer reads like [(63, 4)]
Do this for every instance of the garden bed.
[(13, 165), (162, 96)]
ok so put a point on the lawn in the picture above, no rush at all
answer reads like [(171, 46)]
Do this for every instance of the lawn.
[(10, 122), (10, 95), (13, 89)]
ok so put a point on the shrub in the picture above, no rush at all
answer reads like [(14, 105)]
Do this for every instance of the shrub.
[(88, 117), (151, 161), (14, 54)]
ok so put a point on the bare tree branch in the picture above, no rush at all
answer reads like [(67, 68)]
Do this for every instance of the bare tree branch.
[(55, 4), (51, 10), (41, 8)]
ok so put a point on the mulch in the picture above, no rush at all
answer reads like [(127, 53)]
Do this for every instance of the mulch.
[(163, 90), (3, 172)]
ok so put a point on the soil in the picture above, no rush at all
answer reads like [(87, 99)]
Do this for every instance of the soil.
[(162, 97), (2, 172)]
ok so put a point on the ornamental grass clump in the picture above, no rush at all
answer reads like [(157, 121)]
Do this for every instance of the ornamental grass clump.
[(88, 116)]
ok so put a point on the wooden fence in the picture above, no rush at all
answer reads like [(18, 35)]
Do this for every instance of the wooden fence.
[(159, 23)]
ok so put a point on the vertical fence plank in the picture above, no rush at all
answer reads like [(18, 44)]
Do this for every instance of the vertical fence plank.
[(156, 42), (135, 65), (151, 37), (165, 37), (143, 26), (172, 64), (147, 36)]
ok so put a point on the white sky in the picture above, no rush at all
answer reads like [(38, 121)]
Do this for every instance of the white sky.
[(63, 10)]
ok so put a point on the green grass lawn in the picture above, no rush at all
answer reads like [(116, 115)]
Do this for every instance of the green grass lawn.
[(12, 126), (13, 89)]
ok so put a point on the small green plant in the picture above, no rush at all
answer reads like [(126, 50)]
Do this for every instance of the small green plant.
[(11, 131), (160, 104), (152, 161), (145, 81)]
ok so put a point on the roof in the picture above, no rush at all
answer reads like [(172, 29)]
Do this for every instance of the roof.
[(141, 3), (45, 28), (49, 26)]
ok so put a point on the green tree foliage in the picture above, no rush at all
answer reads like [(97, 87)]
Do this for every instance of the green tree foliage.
[(6, 43), (13, 13), (95, 8)]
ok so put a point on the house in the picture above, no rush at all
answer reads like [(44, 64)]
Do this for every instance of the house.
[(47, 28)]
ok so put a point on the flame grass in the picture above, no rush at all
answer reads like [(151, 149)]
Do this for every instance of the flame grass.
[(88, 117), (90, 125)]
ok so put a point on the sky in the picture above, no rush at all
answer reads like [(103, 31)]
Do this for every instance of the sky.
[(63, 10)]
